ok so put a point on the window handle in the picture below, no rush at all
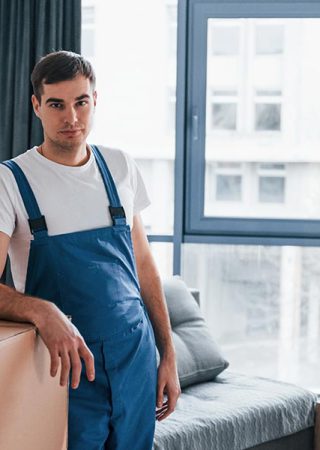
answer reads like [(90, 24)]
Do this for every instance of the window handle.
[(195, 126)]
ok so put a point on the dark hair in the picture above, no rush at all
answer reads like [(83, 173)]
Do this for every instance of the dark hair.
[(60, 66)]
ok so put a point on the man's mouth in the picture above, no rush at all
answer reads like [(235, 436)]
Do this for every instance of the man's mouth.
[(71, 132)]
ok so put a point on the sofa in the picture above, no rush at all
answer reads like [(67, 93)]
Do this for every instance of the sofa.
[(222, 410)]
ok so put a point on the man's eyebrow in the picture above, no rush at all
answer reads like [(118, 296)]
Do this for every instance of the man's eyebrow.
[(55, 100), (81, 97), (60, 100)]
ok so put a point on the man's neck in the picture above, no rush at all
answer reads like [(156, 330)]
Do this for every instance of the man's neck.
[(76, 156)]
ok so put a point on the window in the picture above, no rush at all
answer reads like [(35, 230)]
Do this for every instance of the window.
[(228, 187), (224, 39), (136, 80), (268, 117), (223, 110), (172, 22), (269, 39), (228, 182), (254, 107), (272, 183), (268, 110), (261, 304), (88, 27)]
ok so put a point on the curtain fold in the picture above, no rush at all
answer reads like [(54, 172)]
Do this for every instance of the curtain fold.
[(29, 29)]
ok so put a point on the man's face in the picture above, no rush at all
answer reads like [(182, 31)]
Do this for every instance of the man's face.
[(66, 111)]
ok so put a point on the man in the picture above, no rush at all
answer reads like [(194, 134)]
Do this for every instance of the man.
[(67, 214)]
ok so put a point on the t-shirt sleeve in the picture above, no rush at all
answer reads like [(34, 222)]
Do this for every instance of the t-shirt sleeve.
[(7, 210), (141, 198)]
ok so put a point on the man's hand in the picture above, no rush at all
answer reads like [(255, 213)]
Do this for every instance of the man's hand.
[(64, 341), (60, 336), (168, 383)]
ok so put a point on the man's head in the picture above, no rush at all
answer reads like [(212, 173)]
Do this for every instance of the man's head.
[(60, 66), (64, 98)]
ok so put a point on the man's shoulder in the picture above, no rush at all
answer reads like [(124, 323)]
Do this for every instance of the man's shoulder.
[(116, 158), (111, 153), (23, 157)]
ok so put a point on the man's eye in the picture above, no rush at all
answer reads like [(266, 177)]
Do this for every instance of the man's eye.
[(82, 102), (56, 105)]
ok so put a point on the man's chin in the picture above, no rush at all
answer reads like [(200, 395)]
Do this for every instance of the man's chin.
[(70, 144)]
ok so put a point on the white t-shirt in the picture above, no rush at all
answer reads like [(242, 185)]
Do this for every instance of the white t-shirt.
[(71, 199)]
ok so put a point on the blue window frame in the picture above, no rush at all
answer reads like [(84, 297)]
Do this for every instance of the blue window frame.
[(191, 224), (196, 223)]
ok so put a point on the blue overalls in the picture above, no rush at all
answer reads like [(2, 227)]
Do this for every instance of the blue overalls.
[(91, 275)]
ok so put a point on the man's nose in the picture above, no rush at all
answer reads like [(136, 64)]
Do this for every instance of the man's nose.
[(70, 116)]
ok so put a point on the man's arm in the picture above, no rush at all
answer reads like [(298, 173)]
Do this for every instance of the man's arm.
[(153, 297), (60, 336)]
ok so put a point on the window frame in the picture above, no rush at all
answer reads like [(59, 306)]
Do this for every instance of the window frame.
[(197, 227)]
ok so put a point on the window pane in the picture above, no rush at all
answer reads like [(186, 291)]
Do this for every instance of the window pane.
[(87, 15), (271, 189), (136, 74), (262, 306), (163, 255), (224, 40), (262, 109), (268, 117), (224, 116), (87, 42), (269, 39), (228, 187)]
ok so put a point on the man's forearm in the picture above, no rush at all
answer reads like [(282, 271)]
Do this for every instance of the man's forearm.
[(153, 297), (19, 307)]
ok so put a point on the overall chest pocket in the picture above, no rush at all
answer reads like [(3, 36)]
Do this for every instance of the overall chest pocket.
[(91, 286)]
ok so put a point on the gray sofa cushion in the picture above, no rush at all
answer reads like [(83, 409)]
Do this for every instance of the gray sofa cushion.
[(198, 356)]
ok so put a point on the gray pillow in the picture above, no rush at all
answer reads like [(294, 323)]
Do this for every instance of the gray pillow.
[(198, 356)]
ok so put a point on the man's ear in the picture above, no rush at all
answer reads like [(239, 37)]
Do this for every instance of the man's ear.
[(95, 98), (36, 105)]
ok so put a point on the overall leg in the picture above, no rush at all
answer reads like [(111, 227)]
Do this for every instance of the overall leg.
[(133, 380), (90, 407)]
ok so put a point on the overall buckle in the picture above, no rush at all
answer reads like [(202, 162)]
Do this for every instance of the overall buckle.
[(38, 224)]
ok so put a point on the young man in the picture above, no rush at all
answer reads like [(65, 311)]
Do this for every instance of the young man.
[(68, 212)]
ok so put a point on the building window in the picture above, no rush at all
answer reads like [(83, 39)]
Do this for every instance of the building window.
[(228, 182), (269, 39), (271, 183), (267, 110), (224, 40), (224, 110)]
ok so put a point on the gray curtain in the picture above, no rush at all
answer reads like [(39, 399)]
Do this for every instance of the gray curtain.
[(29, 29)]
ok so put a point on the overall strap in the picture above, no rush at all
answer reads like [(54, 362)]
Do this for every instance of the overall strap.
[(116, 210), (37, 221)]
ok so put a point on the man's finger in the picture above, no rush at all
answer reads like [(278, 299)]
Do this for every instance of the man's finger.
[(65, 367), (160, 396), (164, 405), (160, 413), (160, 410), (76, 367), (54, 362), (88, 359), (163, 415), (172, 400)]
